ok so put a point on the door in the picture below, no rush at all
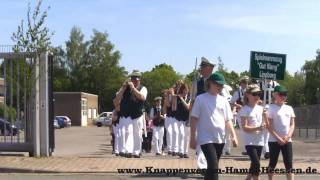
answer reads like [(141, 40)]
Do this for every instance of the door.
[(84, 112)]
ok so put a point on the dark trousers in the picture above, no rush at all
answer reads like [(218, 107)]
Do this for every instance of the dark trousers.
[(112, 141), (164, 146), (212, 152), (254, 153), (286, 151), (146, 144)]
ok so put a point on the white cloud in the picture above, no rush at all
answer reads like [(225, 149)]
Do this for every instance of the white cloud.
[(295, 19)]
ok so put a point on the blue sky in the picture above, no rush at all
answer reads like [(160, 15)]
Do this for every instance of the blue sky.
[(150, 32)]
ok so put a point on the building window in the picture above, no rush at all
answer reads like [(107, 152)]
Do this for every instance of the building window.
[(89, 113), (94, 113), (84, 106)]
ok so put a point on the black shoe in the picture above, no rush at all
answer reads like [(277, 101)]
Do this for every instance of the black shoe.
[(181, 155), (227, 153), (117, 154), (136, 156), (169, 152), (158, 154), (129, 155), (174, 154), (244, 153), (122, 154), (266, 155), (185, 156)]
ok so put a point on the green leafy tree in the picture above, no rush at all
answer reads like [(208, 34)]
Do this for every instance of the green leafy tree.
[(34, 36), (159, 78), (311, 69), (295, 85)]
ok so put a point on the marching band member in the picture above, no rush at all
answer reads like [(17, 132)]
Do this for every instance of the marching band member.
[(158, 125), (182, 115), (131, 98), (169, 114), (175, 121)]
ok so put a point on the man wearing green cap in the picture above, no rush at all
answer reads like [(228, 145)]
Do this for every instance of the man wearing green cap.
[(210, 118), (131, 98)]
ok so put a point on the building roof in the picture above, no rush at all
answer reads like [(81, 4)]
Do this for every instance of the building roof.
[(75, 93)]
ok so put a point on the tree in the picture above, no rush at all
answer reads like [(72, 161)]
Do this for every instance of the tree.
[(161, 77), (295, 85), (94, 66), (31, 37), (311, 70), (36, 37), (76, 48)]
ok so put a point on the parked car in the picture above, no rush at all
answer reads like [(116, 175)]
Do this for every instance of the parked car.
[(60, 122), (104, 119), (56, 124), (8, 128), (66, 119)]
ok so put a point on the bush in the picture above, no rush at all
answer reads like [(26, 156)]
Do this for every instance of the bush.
[(10, 112)]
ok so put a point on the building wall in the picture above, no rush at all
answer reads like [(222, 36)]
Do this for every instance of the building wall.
[(92, 106), (68, 104)]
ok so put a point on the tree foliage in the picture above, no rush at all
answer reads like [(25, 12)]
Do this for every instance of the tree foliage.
[(311, 70), (160, 77), (33, 36)]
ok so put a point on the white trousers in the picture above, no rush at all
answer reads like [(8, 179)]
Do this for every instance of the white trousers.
[(168, 123), (266, 139), (131, 135), (116, 139), (181, 126), (157, 136), (186, 139), (175, 135)]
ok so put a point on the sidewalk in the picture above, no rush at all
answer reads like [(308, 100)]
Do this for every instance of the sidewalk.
[(111, 165), (88, 150)]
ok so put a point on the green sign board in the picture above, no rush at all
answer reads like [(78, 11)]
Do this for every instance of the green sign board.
[(265, 65)]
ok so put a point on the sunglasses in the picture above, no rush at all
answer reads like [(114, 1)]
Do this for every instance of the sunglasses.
[(255, 94)]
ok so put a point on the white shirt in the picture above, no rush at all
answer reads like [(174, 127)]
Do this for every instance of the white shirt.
[(226, 92), (254, 119), (144, 92), (281, 116), (236, 94), (151, 114), (212, 113)]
